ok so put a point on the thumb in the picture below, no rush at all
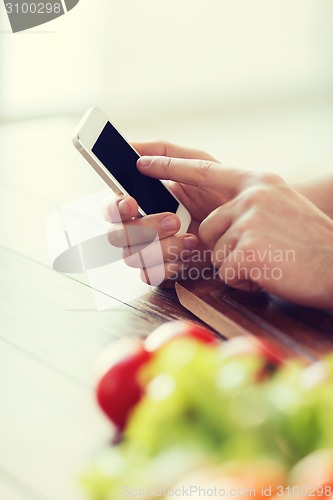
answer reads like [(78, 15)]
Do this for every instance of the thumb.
[(200, 173)]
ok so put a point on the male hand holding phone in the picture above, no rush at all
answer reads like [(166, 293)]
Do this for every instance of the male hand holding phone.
[(244, 218), (235, 214)]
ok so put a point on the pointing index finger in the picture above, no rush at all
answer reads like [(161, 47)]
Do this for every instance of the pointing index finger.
[(200, 173)]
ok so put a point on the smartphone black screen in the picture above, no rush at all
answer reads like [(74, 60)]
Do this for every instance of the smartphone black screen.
[(120, 160)]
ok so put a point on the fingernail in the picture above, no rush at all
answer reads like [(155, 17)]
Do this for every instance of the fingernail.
[(169, 223), (124, 208), (144, 161), (190, 242)]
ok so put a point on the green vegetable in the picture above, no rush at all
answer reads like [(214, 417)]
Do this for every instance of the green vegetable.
[(202, 404)]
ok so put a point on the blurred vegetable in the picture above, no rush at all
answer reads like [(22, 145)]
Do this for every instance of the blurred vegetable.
[(229, 414), (119, 389), (172, 330)]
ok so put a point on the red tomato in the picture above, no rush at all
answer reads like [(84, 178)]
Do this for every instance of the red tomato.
[(119, 390), (273, 356), (244, 345), (273, 352), (175, 329)]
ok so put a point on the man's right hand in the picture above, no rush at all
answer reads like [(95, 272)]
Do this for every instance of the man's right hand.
[(259, 231)]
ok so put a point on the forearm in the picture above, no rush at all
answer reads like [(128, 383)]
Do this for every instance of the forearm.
[(320, 191)]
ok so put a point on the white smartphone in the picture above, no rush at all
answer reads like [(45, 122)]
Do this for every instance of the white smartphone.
[(114, 160)]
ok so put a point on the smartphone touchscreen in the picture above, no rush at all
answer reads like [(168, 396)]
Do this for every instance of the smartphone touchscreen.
[(120, 160)]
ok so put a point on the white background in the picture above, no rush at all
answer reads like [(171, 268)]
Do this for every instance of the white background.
[(249, 80), (183, 54)]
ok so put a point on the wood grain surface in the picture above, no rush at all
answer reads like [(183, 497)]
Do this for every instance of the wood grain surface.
[(297, 330), (51, 331)]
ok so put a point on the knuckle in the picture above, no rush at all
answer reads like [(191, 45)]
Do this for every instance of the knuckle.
[(115, 236), (203, 169), (138, 233), (205, 156), (154, 275), (204, 231), (172, 252), (218, 257), (224, 248), (161, 145), (147, 257), (173, 271), (264, 178), (130, 258), (271, 179), (165, 145), (248, 245), (166, 164), (126, 253), (144, 234), (255, 196), (249, 222)]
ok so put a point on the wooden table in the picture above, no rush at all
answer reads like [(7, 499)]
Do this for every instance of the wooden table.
[(51, 332), (50, 337)]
